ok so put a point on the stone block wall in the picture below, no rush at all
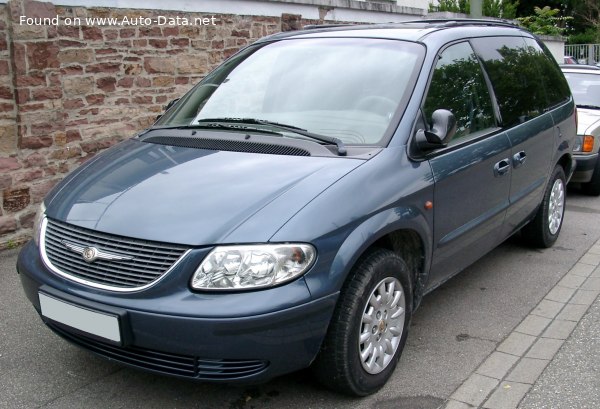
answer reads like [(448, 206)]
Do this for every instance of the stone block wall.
[(68, 92)]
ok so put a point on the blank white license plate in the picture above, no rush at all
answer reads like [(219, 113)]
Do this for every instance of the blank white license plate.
[(93, 322)]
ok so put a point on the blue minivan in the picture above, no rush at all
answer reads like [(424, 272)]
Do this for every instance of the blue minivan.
[(293, 208)]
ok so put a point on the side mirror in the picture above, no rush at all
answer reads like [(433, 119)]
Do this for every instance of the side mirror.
[(443, 129), (170, 104), (166, 108)]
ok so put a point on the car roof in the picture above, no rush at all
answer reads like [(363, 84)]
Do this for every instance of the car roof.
[(417, 30)]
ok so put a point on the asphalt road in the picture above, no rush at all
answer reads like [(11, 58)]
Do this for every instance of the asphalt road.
[(453, 331)]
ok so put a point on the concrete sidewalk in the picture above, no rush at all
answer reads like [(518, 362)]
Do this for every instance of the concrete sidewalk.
[(552, 358)]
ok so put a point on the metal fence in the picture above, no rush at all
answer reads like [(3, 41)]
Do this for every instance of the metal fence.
[(584, 53)]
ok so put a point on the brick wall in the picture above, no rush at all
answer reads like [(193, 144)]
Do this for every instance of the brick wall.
[(68, 92)]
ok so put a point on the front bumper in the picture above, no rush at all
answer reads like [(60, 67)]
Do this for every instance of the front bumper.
[(585, 167), (161, 335)]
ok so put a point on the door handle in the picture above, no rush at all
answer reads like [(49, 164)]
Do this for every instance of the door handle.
[(519, 159), (501, 168)]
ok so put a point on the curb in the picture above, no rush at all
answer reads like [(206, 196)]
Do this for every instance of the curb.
[(507, 374)]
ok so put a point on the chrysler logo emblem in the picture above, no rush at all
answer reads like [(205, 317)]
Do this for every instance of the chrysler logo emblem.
[(90, 254)]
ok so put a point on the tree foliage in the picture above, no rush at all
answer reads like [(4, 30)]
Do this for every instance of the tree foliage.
[(490, 8), (545, 21)]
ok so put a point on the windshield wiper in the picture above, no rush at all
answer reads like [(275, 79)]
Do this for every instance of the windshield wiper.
[(589, 106), (341, 148), (217, 125)]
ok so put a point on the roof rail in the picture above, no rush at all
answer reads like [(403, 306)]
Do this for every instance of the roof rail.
[(317, 26), (466, 21)]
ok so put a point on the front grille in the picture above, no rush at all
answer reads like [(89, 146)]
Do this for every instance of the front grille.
[(151, 260), (167, 363)]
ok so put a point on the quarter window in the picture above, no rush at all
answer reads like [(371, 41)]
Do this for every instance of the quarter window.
[(458, 85)]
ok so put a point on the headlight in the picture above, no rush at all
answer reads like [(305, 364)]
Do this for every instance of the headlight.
[(577, 144), (252, 266), (37, 223)]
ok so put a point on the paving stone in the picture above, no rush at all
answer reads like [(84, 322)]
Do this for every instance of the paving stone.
[(584, 297), (548, 309), (571, 281), (528, 370), (596, 272), (454, 404), (592, 283), (475, 389), (507, 396), (559, 329), (533, 325), (594, 250), (572, 312), (561, 294), (497, 365), (545, 348), (589, 258), (516, 344), (583, 270)]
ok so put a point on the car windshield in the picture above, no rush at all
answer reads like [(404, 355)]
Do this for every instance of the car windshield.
[(348, 88), (585, 88)]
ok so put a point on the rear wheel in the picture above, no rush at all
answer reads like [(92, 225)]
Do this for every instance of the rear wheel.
[(544, 229), (593, 186), (369, 326)]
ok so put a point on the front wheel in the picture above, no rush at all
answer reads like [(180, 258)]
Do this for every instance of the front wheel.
[(369, 326), (543, 230)]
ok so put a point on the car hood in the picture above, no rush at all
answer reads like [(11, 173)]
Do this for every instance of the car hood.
[(588, 121), (191, 196)]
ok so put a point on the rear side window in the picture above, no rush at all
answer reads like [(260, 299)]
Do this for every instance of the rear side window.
[(555, 85), (515, 75), (458, 85)]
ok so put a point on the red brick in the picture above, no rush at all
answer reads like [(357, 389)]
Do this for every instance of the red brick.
[(146, 99), (158, 43), (46, 93), (71, 43), (9, 164), (72, 70), (68, 31), (152, 31), (33, 80), (15, 199), (94, 99), (180, 42), (133, 69), (126, 82), (182, 80), (31, 107), (42, 55), (103, 67), (39, 191), (73, 135), (122, 101), (5, 181), (170, 31), (38, 9), (143, 82), (8, 224), (73, 103), (6, 93), (35, 159), (4, 70), (26, 220), (106, 84), (140, 43), (127, 32), (111, 34), (92, 33), (33, 142), (161, 99), (22, 96), (28, 176)]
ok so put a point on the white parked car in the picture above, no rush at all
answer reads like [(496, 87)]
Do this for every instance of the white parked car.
[(585, 86)]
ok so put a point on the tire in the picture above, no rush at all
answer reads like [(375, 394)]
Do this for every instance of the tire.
[(339, 365), (592, 188), (545, 227)]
